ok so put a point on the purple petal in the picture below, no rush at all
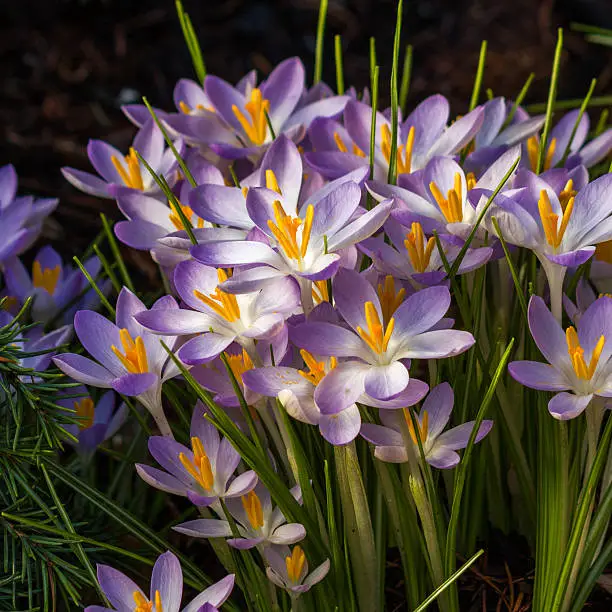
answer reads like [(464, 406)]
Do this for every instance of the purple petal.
[(283, 88), (8, 185), (161, 480), (458, 437), (205, 528), (385, 382), (597, 149), (242, 484), (494, 117), (134, 384), (174, 322), (221, 204), (437, 344), (328, 339), (438, 405), (429, 119), (458, 134), (381, 436), (565, 406), (335, 164), (215, 595), (204, 348), (100, 154), (547, 333), (283, 159), (342, 427), (351, 292), (421, 311), (167, 578), (118, 588), (442, 458), (288, 534), (537, 375), (97, 335), (84, 370), (86, 182), (235, 253), (139, 234), (340, 387)]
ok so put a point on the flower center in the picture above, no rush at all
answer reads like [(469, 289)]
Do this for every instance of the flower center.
[(85, 412), (451, 206), (185, 108), (46, 278), (344, 149), (389, 298), (199, 468), (285, 230), (295, 564), (134, 356), (255, 125), (252, 506), (552, 230), (144, 605), (576, 354), (176, 220), (404, 152), (603, 251), (224, 304), (316, 369), (320, 291), (568, 193), (422, 427), (419, 252), (533, 151), (376, 336), (470, 179), (131, 176), (239, 364)]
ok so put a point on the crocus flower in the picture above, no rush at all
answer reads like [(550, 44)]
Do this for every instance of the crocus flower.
[(247, 133), (257, 521), (382, 337), (585, 296), (561, 231), (305, 244), (205, 472), (98, 421), (296, 389), (129, 359), (116, 169), (423, 135), (21, 218), (288, 569), (166, 590), (439, 446), (579, 366), (52, 284), (220, 318)]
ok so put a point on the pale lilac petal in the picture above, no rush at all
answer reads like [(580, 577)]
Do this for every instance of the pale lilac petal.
[(494, 117), (317, 574), (118, 588), (351, 291), (565, 406), (438, 405), (149, 142), (204, 348), (220, 204), (591, 206), (242, 484), (134, 384), (161, 480), (139, 234), (100, 154), (518, 132), (215, 595), (283, 159), (596, 150), (458, 437), (458, 134), (537, 375), (204, 528), (381, 436), (167, 578), (595, 322), (223, 96), (328, 339), (429, 120), (8, 185), (421, 311), (235, 253), (340, 387), (97, 335), (334, 164), (391, 454), (442, 458), (84, 370), (283, 88), (272, 380), (341, 428), (437, 344), (333, 211), (328, 107), (547, 333), (288, 534), (573, 259), (563, 131), (385, 382)]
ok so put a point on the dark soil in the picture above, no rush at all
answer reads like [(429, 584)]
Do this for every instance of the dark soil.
[(67, 65)]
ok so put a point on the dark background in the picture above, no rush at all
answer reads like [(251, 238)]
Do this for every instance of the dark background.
[(66, 65)]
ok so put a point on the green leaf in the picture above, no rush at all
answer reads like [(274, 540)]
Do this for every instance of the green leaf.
[(318, 70)]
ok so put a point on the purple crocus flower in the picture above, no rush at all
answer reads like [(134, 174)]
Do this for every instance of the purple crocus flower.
[(99, 421), (382, 338), (305, 244), (166, 590), (579, 366), (423, 135), (246, 128), (220, 318), (52, 284), (130, 359), (258, 522), (203, 473), (116, 169), (561, 231), (438, 447), (414, 256), (585, 296), (21, 218), (288, 569)]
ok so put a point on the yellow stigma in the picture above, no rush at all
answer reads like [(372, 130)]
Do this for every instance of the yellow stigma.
[(134, 356), (422, 427), (470, 179), (271, 182), (176, 220), (552, 230), (389, 298), (603, 251), (85, 412), (185, 108), (295, 564), (567, 194), (344, 149), (316, 369), (419, 252), (533, 151), (320, 291), (576, 354), (451, 206), (45, 279), (285, 230), (252, 506), (255, 125), (404, 152), (376, 336), (199, 468), (131, 176), (224, 304), (144, 605), (239, 364)]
